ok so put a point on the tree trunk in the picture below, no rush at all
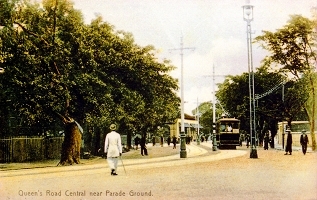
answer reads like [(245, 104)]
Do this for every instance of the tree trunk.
[(312, 124), (71, 146), (70, 153)]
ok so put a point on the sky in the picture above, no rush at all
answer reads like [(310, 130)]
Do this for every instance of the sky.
[(213, 33)]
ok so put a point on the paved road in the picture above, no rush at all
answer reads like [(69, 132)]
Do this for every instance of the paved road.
[(203, 175)]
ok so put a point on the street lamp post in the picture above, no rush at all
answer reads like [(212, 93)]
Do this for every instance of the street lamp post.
[(248, 17), (183, 152)]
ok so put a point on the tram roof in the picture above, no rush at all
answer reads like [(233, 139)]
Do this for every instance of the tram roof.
[(228, 119)]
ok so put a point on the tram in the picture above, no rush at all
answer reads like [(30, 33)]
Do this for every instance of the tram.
[(227, 133)]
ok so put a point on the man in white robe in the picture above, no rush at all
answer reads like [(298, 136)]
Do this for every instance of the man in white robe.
[(113, 149)]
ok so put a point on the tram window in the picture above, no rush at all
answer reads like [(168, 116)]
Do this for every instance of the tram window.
[(223, 127), (235, 125), (229, 128)]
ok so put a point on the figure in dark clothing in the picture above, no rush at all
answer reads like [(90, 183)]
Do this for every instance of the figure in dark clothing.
[(289, 141), (153, 140), (241, 139), (271, 142), (304, 141), (143, 146), (266, 141), (169, 140), (136, 142), (247, 139), (174, 142), (162, 140), (202, 138)]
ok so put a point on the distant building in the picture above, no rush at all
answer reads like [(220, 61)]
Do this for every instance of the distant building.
[(190, 126), (296, 130)]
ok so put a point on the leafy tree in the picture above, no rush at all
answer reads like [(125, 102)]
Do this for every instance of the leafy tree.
[(206, 116), (293, 48), (57, 67), (277, 100), (38, 69), (268, 88), (271, 105), (234, 97)]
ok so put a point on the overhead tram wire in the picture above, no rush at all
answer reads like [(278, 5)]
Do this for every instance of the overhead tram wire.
[(276, 87)]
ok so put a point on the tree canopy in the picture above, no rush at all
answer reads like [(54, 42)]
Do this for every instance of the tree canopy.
[(56, 64), (293, 49)]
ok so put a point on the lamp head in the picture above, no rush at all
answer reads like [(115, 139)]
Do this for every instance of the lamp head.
[(247, 11)]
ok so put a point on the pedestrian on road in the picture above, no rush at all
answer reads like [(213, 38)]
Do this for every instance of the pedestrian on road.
[(153, 140), (162, 140), (168, 140), (241, 139), (247, 139), (289, 141), (143, 146), (174, 142), (202, 138), (266, 141), (304, 141), (136, 142), (113, 149)]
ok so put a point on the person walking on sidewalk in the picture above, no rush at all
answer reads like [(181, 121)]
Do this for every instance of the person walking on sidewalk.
[(304, 141), (168, 140), (153, 140), (136, 142), (174, 142), (266, 141), (162, 140), (247, 139), (289, 141), (143, 146), (113, 149)]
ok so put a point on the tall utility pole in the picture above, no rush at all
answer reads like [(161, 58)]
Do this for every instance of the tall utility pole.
[(183, 153), (214, 140), (197, 114), (214, 135), (248, 17)]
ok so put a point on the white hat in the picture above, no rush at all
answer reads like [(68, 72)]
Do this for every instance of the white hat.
[(113, 127)]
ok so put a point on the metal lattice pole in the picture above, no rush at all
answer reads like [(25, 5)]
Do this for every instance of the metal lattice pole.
[(248, 17)]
